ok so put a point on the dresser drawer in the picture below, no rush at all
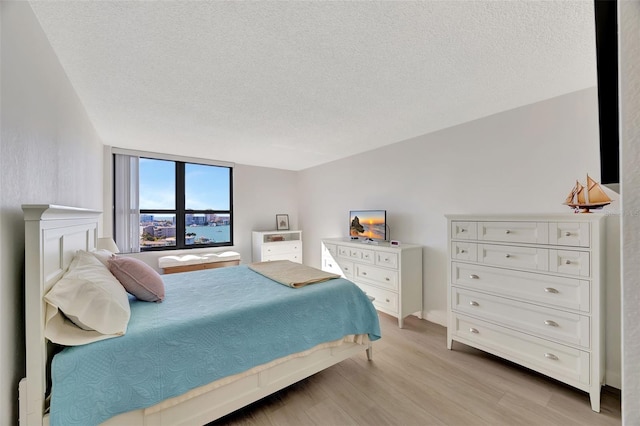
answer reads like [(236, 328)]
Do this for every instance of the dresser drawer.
[(562, 292), (514, 256), (332, 249), (570, 234), (570, 262), (386, 259), (386, 301), (363, 255), (386, 278), (464, 230), (329, 264), (556, 360), (533, 319), (514, 232), (461, 250)]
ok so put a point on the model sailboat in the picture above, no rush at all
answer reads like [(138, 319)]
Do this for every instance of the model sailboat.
[(590, 197)]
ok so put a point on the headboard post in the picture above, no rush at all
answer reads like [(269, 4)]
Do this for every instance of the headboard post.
[(52, 236)]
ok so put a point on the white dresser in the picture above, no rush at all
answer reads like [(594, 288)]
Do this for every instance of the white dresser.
[(277, 245), (530, 289), (391, 275)]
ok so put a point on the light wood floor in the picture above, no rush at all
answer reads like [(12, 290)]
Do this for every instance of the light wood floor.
[(414, 380)]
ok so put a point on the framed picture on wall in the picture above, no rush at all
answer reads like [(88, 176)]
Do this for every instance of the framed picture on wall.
[(282, 222)]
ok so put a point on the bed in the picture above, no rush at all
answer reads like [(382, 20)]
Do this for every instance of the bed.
[(54, 234)]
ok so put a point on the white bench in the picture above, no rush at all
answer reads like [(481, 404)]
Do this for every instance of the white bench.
[(196, 262)]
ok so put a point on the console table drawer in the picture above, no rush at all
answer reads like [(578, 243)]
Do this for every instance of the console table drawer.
[(562, 292), (514, 232), (381, 277), (514, 256), (533, 319), (556, 360)]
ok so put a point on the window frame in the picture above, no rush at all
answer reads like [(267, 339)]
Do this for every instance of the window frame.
[(181, 211)]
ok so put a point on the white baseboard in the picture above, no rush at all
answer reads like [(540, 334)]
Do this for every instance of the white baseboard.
[(438, 317)]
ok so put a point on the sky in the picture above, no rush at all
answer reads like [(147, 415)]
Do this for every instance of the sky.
[(206, 187)]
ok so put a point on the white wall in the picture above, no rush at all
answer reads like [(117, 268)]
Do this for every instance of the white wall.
[(522, 160), (49, 153), (629, 48)]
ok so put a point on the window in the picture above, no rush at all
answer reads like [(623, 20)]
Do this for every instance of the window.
[(166, 196)]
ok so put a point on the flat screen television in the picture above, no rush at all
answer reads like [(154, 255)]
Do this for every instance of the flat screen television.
[(368, 224)]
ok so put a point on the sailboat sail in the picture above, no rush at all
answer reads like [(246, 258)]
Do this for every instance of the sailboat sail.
[(590, 197)]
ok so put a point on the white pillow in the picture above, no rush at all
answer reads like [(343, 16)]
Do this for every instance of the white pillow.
[(103, 256), (91, 298)]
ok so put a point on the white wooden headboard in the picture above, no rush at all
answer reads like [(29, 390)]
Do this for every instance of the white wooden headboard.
[(52, 236)]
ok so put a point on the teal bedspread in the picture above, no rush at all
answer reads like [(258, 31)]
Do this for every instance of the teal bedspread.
[(212, 324)]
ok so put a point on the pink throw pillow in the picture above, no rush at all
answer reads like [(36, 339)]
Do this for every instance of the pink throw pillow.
[(138, 278)]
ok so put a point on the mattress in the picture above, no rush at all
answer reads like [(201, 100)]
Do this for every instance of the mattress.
[(212, 324)]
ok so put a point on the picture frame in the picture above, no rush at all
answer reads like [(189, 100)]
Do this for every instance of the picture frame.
[(282, 222)]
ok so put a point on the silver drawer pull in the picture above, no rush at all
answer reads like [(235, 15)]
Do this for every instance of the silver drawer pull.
[(550, 356), (551, 323), (474, 277), (463, 230), (474, 330), (386, 259), (567, 234), (330, 265), (364, 273), (550, 290), (474, 303), (568, 262), (387, 300), (387, 279), (507, 255), (463, 251), (507, 232)]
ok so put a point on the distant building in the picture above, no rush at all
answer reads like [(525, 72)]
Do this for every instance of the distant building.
[(146, 218), (164, 231)]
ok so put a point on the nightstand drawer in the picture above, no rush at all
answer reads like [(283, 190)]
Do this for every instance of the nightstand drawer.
[(514, 256), (556, 360), (381, 277), (292, 256), (514, 232), (543, 322), (562, 292), (281, 248)]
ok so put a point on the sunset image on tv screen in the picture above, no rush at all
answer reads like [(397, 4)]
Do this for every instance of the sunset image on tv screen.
[(368, 224)]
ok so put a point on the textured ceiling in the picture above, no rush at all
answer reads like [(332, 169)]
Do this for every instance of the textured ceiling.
[(296, 84)]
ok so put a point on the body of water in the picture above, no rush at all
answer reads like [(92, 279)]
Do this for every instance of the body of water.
[(217, 234)]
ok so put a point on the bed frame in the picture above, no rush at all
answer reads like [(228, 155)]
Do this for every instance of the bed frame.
[(52, 235)]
